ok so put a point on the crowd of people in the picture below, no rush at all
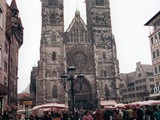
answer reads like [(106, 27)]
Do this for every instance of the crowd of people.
[(123, 113)]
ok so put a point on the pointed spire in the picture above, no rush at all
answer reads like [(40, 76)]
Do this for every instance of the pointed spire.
[(13, 6), (77, 13)]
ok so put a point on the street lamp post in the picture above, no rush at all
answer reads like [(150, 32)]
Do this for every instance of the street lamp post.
[(69, 77)]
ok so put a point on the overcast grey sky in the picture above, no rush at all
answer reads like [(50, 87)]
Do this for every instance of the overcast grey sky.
[(127, 17)]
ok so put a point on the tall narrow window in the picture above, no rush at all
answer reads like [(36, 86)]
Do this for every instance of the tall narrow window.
[(50, 2), (11, 64), (159, 68), (152, 40), (105, 73), (1, 17), (154, 54), (6, 47), (107, 92), (104, 55), (157, 51), (54, 92), (0, 56), (156, 39), (5, 66), (52, 19), (53, 55), (155, 70), (5, 81)]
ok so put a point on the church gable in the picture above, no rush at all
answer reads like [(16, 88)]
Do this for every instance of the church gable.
[(77, 30)]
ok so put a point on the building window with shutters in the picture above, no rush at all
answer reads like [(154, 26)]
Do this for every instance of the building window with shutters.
[(154, 54), (157, 51), (152, 41), (156, 39), (155, 70)]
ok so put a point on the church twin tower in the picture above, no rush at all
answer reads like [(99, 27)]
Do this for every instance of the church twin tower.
[(90, 48)]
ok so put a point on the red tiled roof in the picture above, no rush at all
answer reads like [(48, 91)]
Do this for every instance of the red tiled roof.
[(23, 95)]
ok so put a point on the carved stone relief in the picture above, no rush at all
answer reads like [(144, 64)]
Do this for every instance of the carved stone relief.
[(56, 18), (52, 71), (45, 18), (53, 38), (102, 37), (101, 19), (106, 71), (52, 16), (104, 54)]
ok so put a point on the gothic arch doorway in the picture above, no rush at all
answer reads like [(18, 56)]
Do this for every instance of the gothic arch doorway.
[(84, 99)]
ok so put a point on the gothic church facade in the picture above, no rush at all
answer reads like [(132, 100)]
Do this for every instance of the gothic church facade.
[(90, 48)]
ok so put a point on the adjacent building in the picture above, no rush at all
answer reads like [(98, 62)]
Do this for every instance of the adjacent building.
[(32, 86), (90, 48), (3, 54), (11, 38), (154, 37), (137, 85)]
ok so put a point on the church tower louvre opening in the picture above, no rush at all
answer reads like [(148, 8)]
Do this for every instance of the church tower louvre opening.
[(90, 48)]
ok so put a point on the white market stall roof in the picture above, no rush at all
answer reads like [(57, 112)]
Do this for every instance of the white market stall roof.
[(143, 103), (108, 103), (50, 105)]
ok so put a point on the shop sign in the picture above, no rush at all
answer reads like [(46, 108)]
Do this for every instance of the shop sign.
[(156, 89), (26, 102)]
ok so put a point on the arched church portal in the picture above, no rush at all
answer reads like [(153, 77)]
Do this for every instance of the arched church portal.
[(84, 99)]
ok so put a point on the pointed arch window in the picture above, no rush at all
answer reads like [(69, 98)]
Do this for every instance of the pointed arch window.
[(105, 73), (55, 92), (107, 92), (52, 19), (53, 2), (53, 55), (100, 2), (104, 55)]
